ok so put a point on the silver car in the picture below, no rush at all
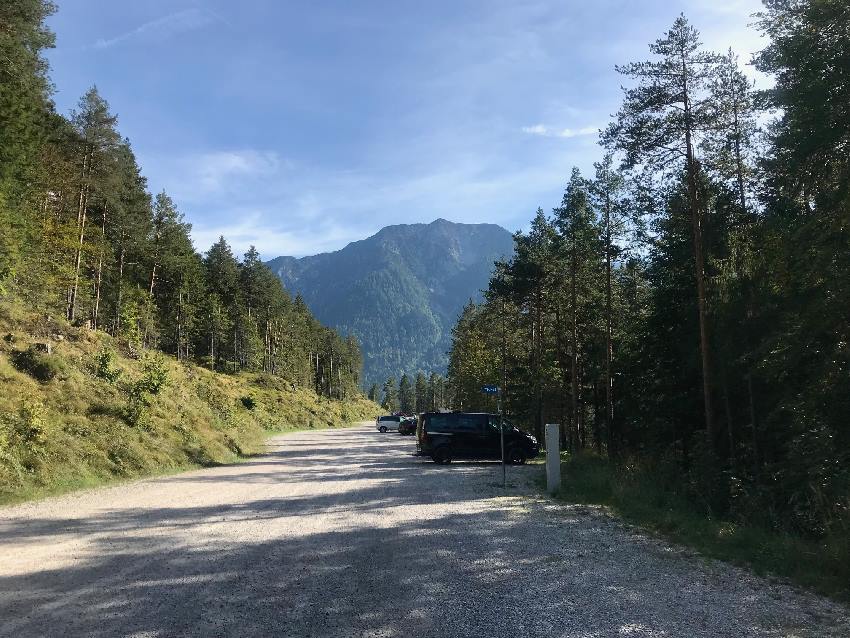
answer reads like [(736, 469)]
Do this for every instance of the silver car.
[(387, 423)]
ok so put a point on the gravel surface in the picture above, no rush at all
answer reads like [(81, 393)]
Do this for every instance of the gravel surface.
[(346, 533)]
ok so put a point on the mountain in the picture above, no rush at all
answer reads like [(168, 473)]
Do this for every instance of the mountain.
[(400, 291)]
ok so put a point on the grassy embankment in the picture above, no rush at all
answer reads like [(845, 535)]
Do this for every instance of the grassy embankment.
[(640, 497), (86, 414)]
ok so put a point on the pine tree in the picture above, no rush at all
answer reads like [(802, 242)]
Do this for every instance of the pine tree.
[(421, 392), (390, 402), (658, 127), (406, 395)]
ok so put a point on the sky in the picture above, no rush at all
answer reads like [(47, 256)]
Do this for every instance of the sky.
[(299, 126)]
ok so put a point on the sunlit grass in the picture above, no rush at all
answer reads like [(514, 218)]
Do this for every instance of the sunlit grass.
[(83, 439)]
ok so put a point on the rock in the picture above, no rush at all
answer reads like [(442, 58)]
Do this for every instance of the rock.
[(43, 347), (58, 337)]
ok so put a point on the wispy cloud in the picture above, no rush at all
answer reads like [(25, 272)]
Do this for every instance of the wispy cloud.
[(548, 131), (165, 27)]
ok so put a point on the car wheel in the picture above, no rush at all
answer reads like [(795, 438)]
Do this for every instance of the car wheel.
[(516, 457), (383, 429), (442, 456)]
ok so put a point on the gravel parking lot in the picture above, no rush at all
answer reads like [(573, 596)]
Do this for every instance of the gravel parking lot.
[(346, 533)]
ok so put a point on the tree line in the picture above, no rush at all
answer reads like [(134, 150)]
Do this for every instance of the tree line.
[(81, 236), (413, 395), (687, 305)]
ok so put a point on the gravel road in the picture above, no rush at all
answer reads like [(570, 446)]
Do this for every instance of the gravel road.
[(346, 533)]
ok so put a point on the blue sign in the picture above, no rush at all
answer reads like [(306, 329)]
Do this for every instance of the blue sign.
[(490, 389)]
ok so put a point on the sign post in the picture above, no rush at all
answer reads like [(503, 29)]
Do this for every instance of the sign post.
[(494, 389)]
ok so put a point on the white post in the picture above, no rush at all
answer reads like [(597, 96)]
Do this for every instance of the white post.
[(553, 458)]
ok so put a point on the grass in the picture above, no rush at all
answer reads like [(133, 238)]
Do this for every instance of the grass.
[(638, 497), (93, 424)]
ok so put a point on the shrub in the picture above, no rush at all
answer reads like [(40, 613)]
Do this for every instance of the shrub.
[(135, 408), (248, 402), (104, 365), (29, 430), (39, 365), (154, 374)]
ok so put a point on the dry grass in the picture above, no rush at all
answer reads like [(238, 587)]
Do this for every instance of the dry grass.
[(74, 430)]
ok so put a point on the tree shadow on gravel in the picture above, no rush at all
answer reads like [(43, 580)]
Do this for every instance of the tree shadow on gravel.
[(408, 549)]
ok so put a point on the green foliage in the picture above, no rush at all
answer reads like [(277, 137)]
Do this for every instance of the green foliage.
[(406, 395), (40, 365), (390, 402), (137, 402), (154, 374), (248, 402), (104, 365), (80, 431), (689, 311), (31, 429), (650, 494), (400, 291)]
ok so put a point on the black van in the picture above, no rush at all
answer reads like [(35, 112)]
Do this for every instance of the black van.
[(464, 435)]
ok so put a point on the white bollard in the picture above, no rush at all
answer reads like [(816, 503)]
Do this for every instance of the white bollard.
[(553, 457)]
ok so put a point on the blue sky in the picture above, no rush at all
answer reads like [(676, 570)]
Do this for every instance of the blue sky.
[(302, 125)]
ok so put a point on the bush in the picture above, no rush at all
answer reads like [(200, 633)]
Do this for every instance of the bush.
[(135, 409), (39, 365), (154, 374), (248, 402), (104, 365), (29, 430)]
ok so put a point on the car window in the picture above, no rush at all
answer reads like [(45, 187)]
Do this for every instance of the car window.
[(439, 422), (469, 423), (389, 418)]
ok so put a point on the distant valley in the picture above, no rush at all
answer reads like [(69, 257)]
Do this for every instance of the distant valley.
[(400, 291)]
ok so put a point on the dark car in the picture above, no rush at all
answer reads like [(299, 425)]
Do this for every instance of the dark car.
[(407, 425), (464, 435)]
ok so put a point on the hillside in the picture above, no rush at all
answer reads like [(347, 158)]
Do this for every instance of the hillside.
[(107, 416), (400, 291)]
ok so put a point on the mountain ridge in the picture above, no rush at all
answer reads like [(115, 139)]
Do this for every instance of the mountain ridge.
[(400, 290)]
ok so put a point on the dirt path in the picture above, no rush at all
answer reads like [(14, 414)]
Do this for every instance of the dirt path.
[(345, 533)]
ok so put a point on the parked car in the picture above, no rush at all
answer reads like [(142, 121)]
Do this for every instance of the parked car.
[(464, 435), (387, 423), (407, 425)]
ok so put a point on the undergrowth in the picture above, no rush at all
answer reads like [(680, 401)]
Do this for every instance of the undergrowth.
[(636, 493), (86, 414)]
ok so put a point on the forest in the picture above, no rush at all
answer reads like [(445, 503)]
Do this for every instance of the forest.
[(413, 394), (81, 237), (685, 308)]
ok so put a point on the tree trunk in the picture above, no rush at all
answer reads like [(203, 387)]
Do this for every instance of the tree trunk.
[(118, 294), (699, 260), (72, 299), (575, 425), (81, 225), (609, 348), (754, 423), (99, 276)]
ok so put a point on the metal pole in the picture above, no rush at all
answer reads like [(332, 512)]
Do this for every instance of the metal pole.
[(502, 391), (502, 441)]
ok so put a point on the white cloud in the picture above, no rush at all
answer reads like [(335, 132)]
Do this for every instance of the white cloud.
[(213, 171), (255, 228), (547, 131), (203, 176), (167, 26)]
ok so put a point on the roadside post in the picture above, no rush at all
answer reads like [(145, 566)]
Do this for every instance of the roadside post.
[(494, 389), (553, 457)]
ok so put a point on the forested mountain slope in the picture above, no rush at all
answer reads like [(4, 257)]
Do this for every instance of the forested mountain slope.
[(400, 291)]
